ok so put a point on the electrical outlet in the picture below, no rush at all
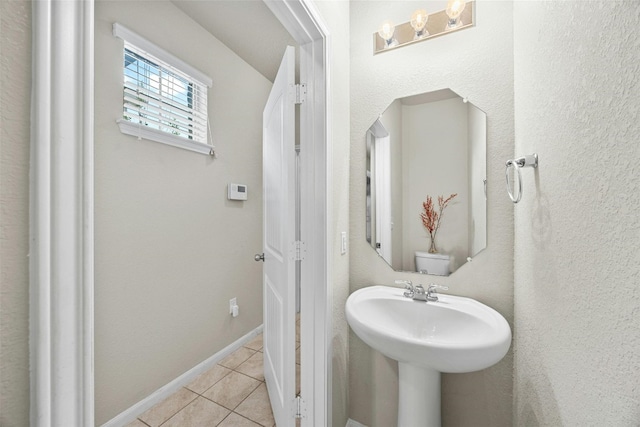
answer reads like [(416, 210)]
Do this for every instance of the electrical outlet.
[(343, 246), (233, 302)]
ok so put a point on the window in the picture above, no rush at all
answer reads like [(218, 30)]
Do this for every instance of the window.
[(160, 97), (164, 99)]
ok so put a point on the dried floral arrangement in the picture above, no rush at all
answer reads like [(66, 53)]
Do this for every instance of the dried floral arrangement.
[(431, 218)]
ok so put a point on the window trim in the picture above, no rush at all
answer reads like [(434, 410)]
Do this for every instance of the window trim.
[(143, 132)]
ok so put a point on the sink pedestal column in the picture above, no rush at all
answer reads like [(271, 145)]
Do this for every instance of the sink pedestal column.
[(418, 397)]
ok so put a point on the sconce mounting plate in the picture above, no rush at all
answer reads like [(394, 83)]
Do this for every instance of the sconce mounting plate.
[(436, 26)]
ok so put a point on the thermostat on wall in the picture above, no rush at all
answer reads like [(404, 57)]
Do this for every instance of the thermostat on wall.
[(237, 192)]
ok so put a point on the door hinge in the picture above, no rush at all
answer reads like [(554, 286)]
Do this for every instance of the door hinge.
[(299, 408), (301, 93), (298, 250)]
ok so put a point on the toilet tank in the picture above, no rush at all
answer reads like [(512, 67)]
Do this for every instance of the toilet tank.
[(428, 263)]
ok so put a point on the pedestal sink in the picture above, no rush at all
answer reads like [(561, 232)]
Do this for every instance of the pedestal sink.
[(453, 335)]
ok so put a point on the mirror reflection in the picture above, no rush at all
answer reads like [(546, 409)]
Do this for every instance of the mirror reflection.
[(426, 183)]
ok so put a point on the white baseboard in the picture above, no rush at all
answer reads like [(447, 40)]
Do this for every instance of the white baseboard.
[(167, 390), (351, 423)]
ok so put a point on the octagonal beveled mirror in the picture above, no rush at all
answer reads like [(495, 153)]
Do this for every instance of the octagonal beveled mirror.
[(430, 145)]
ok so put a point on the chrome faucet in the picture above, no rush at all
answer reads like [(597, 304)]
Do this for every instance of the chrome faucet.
[(418, 292)]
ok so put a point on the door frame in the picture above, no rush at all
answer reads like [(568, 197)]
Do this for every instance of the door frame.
[(382, 156), (61, 224)]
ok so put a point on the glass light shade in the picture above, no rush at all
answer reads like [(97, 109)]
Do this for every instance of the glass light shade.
[(453, 11), (387, 28), (419, 22), (455, 8)]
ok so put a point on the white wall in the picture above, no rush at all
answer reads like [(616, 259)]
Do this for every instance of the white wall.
[(15, 91), (476, 63), (171, 250), (577, 254)]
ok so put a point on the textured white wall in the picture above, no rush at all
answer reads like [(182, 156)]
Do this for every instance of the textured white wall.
[(577, 244), (476, 63), (15, 91), (171, 250)]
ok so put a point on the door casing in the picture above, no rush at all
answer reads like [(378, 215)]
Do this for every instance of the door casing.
[(61, 225)]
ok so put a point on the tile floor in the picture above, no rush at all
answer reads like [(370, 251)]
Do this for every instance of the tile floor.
[(231, 394)]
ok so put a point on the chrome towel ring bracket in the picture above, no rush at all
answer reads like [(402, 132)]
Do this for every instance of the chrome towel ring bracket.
[(530, 160)]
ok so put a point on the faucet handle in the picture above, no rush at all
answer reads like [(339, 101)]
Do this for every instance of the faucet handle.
[(408, 286), (432, 295), (434, 286)]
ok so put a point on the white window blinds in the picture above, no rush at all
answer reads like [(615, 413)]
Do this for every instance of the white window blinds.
[(162, 100)]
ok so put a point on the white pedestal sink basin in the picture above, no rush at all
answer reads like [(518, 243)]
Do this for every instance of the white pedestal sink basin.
[(454, 335)]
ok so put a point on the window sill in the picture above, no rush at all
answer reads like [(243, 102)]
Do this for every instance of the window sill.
[(144, 132)]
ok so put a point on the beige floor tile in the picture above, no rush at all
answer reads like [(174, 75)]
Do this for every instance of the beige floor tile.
[(297, 379), (255, 344), (199, 413), (205, 380), (167, 408), (298, 353), (136, 423), (232, 389), (257, 408), (253, 367), (233, 360), (235, 420)]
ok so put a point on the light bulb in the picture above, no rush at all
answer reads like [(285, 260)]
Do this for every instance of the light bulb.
[(419, 23), (454, 10), (386, 31)]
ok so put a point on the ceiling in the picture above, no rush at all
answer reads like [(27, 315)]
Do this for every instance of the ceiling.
[(245, 26)]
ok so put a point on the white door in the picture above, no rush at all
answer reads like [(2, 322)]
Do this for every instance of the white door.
[(278, 123)]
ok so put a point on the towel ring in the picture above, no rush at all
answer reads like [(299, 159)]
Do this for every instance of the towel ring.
[(530, 160), (516, 173)]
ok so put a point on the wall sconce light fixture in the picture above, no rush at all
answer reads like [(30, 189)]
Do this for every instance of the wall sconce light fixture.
[(458, 15)]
